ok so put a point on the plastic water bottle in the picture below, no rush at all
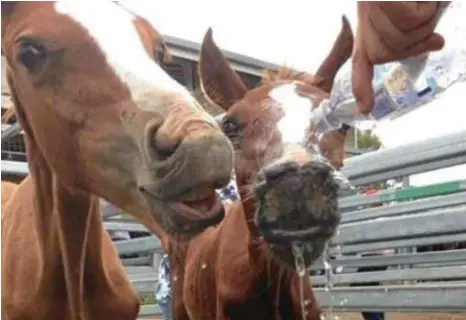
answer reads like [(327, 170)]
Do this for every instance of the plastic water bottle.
[(399, 87)]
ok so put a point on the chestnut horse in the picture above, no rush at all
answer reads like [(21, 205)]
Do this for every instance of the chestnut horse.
[(244, 268), (8, 190), (101, 119)]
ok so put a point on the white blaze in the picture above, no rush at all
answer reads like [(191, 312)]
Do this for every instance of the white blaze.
[(113, 29), (297, 112)]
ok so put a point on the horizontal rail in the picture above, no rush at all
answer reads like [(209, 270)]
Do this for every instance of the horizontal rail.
[(406, 298), (150, 310), (414, 259), (133, 226), (144, 283), (15, 168), (412, 194), (442, 221), (440, 152), (9, 131), (392, 244), (139, 245), (140, 261), (406, 207), (138, 270), (451, 272)]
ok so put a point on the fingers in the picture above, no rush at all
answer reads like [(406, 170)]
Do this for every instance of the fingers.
[(434, 43), (409, 15), (397, 42), (390, 31), (362, 75)]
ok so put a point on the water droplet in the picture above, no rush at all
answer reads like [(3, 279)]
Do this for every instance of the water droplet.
[(204, 266), (327, 265), (298, 251), (175, 278), (337, 250)]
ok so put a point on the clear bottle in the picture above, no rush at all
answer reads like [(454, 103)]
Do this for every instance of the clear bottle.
[(399, 87)]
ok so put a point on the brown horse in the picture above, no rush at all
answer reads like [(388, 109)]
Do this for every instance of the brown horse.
[(101, 119), (8, 190), (244, 268)]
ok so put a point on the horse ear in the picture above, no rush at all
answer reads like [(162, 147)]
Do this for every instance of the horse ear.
[(340, 53), (219, 82)]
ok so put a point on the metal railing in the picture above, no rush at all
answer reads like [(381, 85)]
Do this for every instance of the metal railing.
[(415, 217)]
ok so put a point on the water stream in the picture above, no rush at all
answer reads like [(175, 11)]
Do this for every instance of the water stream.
[(299, 249)]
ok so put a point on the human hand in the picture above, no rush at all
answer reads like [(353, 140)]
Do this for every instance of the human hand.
[(390, 31)]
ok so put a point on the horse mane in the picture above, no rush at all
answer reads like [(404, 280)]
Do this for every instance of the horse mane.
[(9, 115), (285, 73)]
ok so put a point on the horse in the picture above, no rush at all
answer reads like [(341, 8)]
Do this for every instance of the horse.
[(244, 268), (101, 119), (8, 190)]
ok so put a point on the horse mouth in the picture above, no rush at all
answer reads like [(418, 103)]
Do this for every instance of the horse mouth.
[(283, 236), (187, 215), (199, 206)]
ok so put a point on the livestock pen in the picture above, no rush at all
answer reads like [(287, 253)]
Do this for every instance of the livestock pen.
[(399, 222)]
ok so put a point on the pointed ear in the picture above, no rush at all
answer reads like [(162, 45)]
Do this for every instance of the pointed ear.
[(340, 53), (219, 82)]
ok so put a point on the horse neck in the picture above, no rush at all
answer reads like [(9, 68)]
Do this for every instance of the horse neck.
[(277, 280), (69, 228)]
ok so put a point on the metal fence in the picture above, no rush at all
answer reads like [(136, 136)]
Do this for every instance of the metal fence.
[(403, 221)]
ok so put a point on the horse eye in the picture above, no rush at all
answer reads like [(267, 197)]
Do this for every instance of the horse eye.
[(31, 55), (230, 127)]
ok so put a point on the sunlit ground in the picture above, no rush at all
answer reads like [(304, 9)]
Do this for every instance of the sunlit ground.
[(409, 316), (390, 316)]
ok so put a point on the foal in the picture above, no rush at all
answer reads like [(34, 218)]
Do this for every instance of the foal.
[(244, 268), (101, 119)]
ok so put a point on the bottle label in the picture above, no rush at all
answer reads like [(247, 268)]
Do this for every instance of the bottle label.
[(400, 87), (383, 106)]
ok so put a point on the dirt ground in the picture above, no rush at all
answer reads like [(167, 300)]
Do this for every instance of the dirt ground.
[(409, 316), (395, 316)]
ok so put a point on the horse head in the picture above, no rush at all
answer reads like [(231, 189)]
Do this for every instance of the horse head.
[(270, 127), (102, 115)]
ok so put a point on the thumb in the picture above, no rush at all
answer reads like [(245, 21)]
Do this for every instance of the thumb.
[(361, 78)]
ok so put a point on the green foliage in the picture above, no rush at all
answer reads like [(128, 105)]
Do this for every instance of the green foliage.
[(367, 140), (147, 298)]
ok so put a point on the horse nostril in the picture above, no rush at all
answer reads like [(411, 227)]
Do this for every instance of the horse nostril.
[(163, 151), (160, 145), (276, 171)]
